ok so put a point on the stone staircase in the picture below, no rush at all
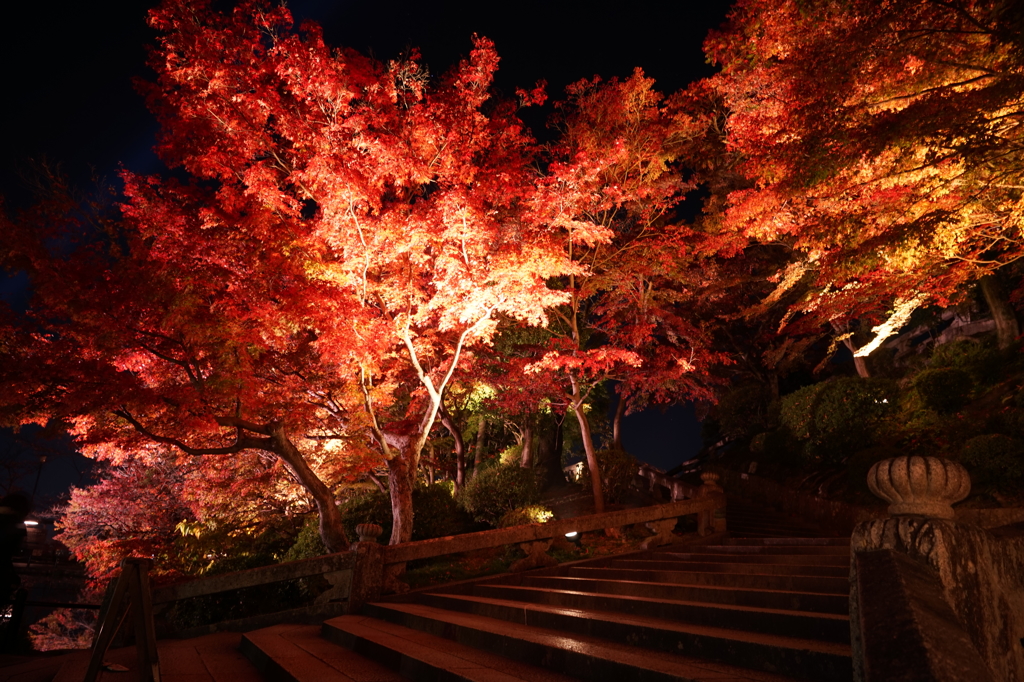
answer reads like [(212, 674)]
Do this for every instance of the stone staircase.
[(766, 603)]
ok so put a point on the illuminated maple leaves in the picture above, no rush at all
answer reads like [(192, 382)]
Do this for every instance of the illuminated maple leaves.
[(882, 141), (343, 231)]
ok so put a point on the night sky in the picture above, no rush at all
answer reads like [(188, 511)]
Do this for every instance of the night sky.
[(69, 98)]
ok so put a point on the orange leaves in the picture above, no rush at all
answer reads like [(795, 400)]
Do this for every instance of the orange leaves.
[(599, 362), (872, 135)]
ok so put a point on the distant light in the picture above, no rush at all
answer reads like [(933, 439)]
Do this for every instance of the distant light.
[(31, 523)]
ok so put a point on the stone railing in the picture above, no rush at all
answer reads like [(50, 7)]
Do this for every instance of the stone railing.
[(308, 589), (934, 596), (380, 566), (313, 589), (673, 487), (833, 514)]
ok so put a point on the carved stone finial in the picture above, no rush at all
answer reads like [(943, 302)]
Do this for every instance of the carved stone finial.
[(368, 532), (710, 479), (922, 486)]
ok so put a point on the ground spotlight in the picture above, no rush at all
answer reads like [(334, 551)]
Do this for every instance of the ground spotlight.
[(573, 536)]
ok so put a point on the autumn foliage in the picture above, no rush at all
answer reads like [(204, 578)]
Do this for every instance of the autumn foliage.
[(350, 254), (880, 142)]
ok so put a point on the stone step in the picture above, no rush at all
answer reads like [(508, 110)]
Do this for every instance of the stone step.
[(837, 571), (762, 522), (753, 516), (825, 627), (837, 541), (776, 548), (547, 642), (733, 558), (819, 584), (786, 600), (760, 535), (762, 531), (582, 657), (420, 655), (209, 658), (297, 653), (767, 519)]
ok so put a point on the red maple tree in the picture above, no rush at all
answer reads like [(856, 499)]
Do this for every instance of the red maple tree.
[(880, 143), (345, 229), (616, 180)]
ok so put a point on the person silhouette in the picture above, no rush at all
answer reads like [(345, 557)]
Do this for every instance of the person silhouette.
[(13, 510)]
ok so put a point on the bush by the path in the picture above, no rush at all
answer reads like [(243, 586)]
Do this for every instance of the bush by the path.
[(618, 469), (496, 490), (994, 459), (437, 515), (978, 359), (944, 389), (838, 417)]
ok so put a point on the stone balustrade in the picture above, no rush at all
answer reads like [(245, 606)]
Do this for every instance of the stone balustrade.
[(946, 595), (369, 569)]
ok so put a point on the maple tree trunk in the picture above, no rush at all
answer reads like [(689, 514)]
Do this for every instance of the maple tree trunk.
[(481, 436), (859, 363), (430, 466), (620, 410), (526, 459), (400, 486), (588, 448), (332, 532), (1007, 327), (549, 453), (460, 448)]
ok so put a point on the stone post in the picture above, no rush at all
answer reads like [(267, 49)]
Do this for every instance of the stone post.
[(368, 568), (977, 574), (712, 521)]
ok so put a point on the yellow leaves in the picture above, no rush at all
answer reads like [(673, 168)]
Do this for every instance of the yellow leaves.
[(337, 274)]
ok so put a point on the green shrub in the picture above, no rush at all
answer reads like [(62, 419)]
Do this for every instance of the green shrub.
[(837, 417), (994, 458), (1012, 423), (513, 454), (797, 410), (372, 506), (618, 469), (944, 389), (534, 513), (776, 446), (497, 490), (745, 410), (308, 544), (435, 513), (860, 463), (980, 360)]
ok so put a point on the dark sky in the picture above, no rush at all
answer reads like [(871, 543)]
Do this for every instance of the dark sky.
[(68, 65), (68, 96)]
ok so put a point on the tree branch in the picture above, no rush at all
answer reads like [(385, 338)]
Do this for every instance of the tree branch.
[(241, 443)]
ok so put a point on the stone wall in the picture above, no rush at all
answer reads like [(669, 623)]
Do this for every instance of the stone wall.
[(933, 551), (982, 578), (899, 615)]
